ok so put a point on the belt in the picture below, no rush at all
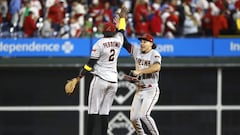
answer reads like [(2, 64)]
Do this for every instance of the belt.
[(144, 86)]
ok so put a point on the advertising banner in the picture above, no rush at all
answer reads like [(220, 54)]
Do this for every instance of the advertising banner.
[(226, 47), (81, 47), (44, 47), (178, 47)]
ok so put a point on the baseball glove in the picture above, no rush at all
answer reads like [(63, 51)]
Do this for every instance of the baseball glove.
[(71, 85), (131, 77)]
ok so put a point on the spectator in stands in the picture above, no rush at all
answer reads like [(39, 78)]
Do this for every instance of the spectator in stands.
[(107, 12), (207, 23), (3, 9), (203, 4), (171, 25), (220, 24), (95, 11), (57, 14), (29, 25), (65, 29), (87, 29), (237, 5), (156, 5), (99, 31), (78, 11), (36, 4), (156, 24), (190, 28), (197, 13), (14, 8), (221, 4), (24, 12), (141, 11), (47, 30), (141, 17), (236, 19), (142, 26), (128, 4), (191, 22), (181, 17), (47, 4), (75, 29)]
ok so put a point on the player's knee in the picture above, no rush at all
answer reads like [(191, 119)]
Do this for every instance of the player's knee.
[(133, 118), (144, 117)]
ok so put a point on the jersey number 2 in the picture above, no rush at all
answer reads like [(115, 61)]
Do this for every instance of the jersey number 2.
[(112, 54)]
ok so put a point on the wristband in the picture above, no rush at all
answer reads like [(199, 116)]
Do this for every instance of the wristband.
[(87, 68), (122, 24)]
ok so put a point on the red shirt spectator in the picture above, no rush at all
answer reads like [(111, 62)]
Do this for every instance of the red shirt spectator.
[(96, 11), (142, 27), (171, 25), (237, 4), (207, 20), (141, 9), (56, 13), (107, 12), (156, 24), (221, 4), (219, 23), (29, 25)]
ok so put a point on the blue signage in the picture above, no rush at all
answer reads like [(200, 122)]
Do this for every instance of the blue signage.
[(178, 47), (186, 47), (44, 47), (226, 47), (81, 47)]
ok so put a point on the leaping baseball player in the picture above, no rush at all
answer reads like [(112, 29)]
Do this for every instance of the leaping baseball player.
[(103, 65), (147, 67)]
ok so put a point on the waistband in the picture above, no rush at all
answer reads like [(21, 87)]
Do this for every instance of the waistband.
[(143, 86)]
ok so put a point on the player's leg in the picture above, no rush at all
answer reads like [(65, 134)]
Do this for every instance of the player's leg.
[(104, 124), (108, 94), (91, 123), (150, 99), (134, 114), (96, 95), (94, 102)]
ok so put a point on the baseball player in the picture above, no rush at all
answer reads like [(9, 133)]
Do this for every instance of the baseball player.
[(147, 67), (103, 65)]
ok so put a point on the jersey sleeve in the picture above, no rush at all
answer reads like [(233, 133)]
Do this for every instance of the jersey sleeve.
[(120, 36), (134, 50), (156, 57), (95, 52)]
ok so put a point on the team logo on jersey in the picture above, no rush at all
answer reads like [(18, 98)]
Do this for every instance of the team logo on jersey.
[(127, 89), (94, 50), (67, 47), (120, 124)]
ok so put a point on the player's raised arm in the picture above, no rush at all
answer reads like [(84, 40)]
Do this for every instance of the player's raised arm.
[(120, 21)]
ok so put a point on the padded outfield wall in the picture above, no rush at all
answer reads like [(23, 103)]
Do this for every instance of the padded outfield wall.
[(199, 95)]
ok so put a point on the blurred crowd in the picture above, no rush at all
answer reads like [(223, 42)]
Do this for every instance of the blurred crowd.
[(85, 18)]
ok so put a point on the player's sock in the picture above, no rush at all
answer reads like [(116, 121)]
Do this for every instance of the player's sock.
[(91, 123), (104, 124)]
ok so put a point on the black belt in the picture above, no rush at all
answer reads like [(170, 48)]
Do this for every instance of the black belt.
[(144, 86)]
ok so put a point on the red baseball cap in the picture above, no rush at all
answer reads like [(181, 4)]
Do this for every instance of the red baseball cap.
[(147, 37), (109, 27)]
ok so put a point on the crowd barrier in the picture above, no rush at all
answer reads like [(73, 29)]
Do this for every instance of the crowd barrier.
[(81, 47)]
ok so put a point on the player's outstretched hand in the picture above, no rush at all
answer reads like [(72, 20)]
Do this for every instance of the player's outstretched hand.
[(123, 13)]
